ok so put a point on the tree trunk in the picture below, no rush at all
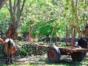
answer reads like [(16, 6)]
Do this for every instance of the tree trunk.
[(11, 33), (15, 8), (2, 2)]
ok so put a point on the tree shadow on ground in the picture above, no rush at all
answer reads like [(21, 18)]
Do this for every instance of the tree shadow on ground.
[(38, 61), (66, 63)]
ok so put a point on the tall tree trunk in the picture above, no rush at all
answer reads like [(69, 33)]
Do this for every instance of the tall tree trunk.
[(74, 8), (15, 8), (11, 33)]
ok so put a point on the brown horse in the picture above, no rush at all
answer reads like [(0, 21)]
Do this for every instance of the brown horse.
[(9, 49)]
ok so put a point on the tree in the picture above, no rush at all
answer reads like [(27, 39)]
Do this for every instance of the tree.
[(49, 13), (2, 2), (75, 14), (45, 14), (15, 8)]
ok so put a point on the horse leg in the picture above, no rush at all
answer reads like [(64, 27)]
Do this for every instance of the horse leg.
[(8, 59), (11, 59)]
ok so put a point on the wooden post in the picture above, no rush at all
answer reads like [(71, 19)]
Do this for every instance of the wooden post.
[(72, 40), (56, 36), (56, 41), (66, 35)]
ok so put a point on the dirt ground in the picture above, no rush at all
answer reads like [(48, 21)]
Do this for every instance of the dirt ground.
[(38, 61), (26, 60), (32, 59)]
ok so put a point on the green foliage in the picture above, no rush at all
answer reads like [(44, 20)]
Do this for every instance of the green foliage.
[(25, 50), (26, 25), (36, 40), (45, 23), (47, 14), (80, 7), (46, 28), (2, 54), (4, 19), (62, 44)]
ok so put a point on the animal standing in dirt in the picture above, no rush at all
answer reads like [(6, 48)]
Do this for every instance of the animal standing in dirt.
[(9, 49)]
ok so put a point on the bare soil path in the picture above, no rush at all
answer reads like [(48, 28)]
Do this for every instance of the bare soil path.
[(41, 60)]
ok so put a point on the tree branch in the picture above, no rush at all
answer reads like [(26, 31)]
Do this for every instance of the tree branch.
[(75, 14), (2, 2), (18, 9), (22, 6), (7, 7), (14, 6), (10, 5)]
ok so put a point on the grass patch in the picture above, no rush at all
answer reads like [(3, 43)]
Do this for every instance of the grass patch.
[(45, 62)]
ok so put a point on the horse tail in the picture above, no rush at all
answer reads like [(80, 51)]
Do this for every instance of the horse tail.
[(9, 47), (9, 44)]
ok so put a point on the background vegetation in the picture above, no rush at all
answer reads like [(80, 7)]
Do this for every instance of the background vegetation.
[(51, 17), (47, 15)]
